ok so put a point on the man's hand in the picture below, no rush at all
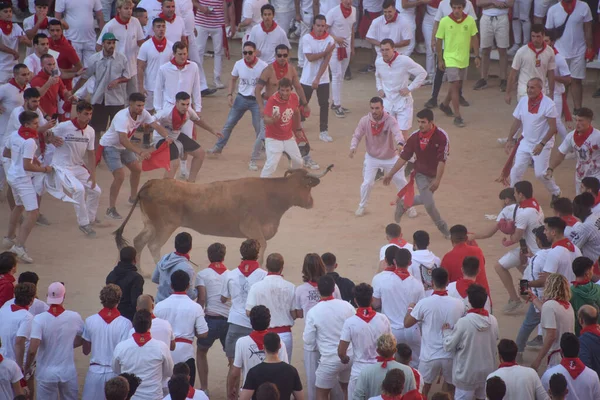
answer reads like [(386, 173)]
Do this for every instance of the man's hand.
[(92, 180), (386, 180), (230, 100), (508, 146), (352, 153), (381, 93), (341, 41), (53, 80), (315, 84), (538, 149), (441, 64), (404, 92), (80, 72), (143, 91), (477, 62), (507, 98), (345, 359), (113, 84), (433, 43), (434, 185), (549, 173), (298, 17), (218, 134), (145, 155)]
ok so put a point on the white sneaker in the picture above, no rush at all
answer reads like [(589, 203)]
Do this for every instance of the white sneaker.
[(21, 253), (252, 166), (360, 211), (427, 82), (324, 136), (8, 242), (219, 84), (183, 175), (311, 164), (411, 212), (513, 50), (502, 140)]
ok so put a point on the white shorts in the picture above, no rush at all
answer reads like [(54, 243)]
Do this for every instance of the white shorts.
[(577, 67), (430, 370), (540, 7), (149, 106), (477, 393), (512, 259), (404, 117), (24, 193), (330, 373), (498, 28)]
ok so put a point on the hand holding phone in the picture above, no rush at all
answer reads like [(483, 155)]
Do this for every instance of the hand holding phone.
[(523, 287)]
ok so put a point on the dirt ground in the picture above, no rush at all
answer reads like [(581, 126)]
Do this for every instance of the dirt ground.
[(467, 193)]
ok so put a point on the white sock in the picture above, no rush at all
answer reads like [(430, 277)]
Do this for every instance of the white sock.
[(183, 167)]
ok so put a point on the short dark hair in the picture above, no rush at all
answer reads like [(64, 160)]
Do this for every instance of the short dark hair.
[(41, 3), (507, 349), (404, 353), (139, 10), (260, 318), (425, 113), (569, 344), (272, 342), (525, 188), (421, 239), (267, 7), (470, 266), (179, 385), (329, 259), (558, 384), (250, 43), (581, 265), (180, 281), (216, 252), (458, 3), (28, 276), (182, 96), (326, 286), (592, 183), (274, 262), (563, 206), (135, 97), (282, 47), (583, 202), (538, 28), (393, 230), (27, 117), (142, 321), (376, 99), (540, 234), (586, 113), (36, 38), (158, 20), (319, 17), (393, 383), (390, 255), (458, 233), (403, 258), (8, 261), (128, 254), (508, 193), (477, 295), (4, 6), (178, 46), (83, 105), (116, 388), (19, 67), (183, 242), (250, 249), (363, 293), (55, 22), (439, 277), (24, 294), (285, 82), (556, 223), (387, 41), (495, 388), (551, 34), (134, 383), (389, 3), (267, 391), (181, 368), (31, 93), (42, 58)]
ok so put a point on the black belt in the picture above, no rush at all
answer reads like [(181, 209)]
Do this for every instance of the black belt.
[(215, 316), (248, 97)]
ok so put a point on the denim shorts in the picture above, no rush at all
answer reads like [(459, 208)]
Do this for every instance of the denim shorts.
[(234, 332), (117, 158), (217, 329)]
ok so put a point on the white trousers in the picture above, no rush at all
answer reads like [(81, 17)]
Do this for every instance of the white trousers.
[(274, 149), (216, 35), (408, 20), (288, 340), (541, 162), (93, 389), (84, 51), (4, 165), (338, 69), (285, 19), (427, 29), (521, 23), (311, 362), (305, 28), (194, 55), (560, 126), (412, 337), (87, 198), (356, 369), (370, 167), (57, 390)]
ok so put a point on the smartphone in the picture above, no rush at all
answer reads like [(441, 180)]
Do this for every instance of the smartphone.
[(523, 246), (55, 116), (523, 286), (55, 72)]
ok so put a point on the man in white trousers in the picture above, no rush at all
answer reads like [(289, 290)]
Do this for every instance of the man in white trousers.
[(521, 24), (562, 78), (305, 12), (427, 30), (536, 113), (407, 10)]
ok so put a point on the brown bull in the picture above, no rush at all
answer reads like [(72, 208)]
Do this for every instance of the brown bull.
[(242, 208)]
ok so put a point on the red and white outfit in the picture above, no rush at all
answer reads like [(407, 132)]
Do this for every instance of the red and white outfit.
[(277, 295), (212, 24), (79, 15), (427, 30), (123, 122), (393, 76), (458, 290), (340, 21), (395, 29), (560, 259), (267, 39), (34, 63), (29, 23), (251, 10), (559, 316), (175, 28), (586, 146), (36, 308), (407, 17), (582, 382), (521, 382), (528, 217), (154, 53), (532, 63), (193, 394), (212, 279), (396, 289), (236, 286), (16, 322), (306, 13), (401, 243), (533, 115), (562, 107), (250, 351), (22, 145), (11, 97), (10, 373), (104, 331), (422, 264), (55, 374), (9, 37), (362, 331)]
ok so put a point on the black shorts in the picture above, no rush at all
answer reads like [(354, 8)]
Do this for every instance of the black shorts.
[(188, 143)]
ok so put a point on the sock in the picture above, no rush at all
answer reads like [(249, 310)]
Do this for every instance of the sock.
[(183, 167)]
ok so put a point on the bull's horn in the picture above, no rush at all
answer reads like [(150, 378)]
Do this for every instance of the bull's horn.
[(329, 168)]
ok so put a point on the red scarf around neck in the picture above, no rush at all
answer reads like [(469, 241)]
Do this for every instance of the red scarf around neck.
[(169, 20), (389, 397), (394, 18), (570, 220), (259, 338), (6, 26), (481, 311), (398, 242), (119, 20), (218, 267), (507, 364), (327, 298), (396, 54), (581, 283), (280, 71), (568, 7), (178, 119), (593, 329), (573, 365), (402, 273), (376, 126), (247, 267), (365, 313), (191, 392), (390, 269), (43, 25), (346, 11), (28, 133), (109, 314), (13, 82), (530, 203), (268, 30), (160, 44), (440, 292), (425, 137), (325, 35), (533, 106), (563, 303), (312, 283), (252, 63), (536, 51), (581, 137), (142, 338), (15, 308), (56, 309), (180, 66), (186, 255), (566, 243), (384, 360), (462, 285), (460, 20), (77, 126)]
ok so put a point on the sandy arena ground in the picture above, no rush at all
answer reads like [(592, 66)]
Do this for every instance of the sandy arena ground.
[(467, 193)]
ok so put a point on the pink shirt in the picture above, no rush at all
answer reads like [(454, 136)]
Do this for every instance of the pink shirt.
[(383, 144)]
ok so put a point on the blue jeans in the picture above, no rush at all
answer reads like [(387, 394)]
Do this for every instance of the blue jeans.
[(530, 323), (242, 104)]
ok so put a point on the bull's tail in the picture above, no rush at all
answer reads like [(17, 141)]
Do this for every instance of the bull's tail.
[(119, 239)]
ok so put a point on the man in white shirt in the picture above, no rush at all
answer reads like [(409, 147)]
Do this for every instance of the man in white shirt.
[(41, 45), (175, 24), (187, 319), (423, 260), (393, 234), (160, 328), (251, 16), (11, 36), (144, 356), (394, 290), (389, 26), (563, 252), (268, 35), (323, 328), (586, 235), (458, 289), (54, 336), (361, 332), (15, 329), (277, 295), (38, 306), (305, 12), (562, 78), (37, 23), (101, 334), (433, 312)]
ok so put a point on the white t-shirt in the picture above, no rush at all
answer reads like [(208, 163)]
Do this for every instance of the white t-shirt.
[(7, 61), (14, 324), (326, 5), (29, 23), (248, 77), (79, 14), (396, 294), (247, 355), (212, 281), (555, 316), (398, 31), (175, 29), (127, 38), (55, 356), (160, 330), (19, 150), (251, 9), (236, 287), (36, 308), (104, 338), (277, 295), (560, 261), (9, 373), (453, 292), (528, 219), (433, 312), (198, 395), (585, 386), (535, 126), (307, 296), (363, 336), (311, 68), (507, 213), (535, 266), (75, 145), (340, 26), (10, 98), (521, 383), (124, 123), (572, 42), (34, 63), (266, 42), (422, 265), (164, 118), (588, 154), (444, 9), (586, 236), (561, 70), (407, 246), (14, 124), (531, 66), (154, 60), (394, 76)]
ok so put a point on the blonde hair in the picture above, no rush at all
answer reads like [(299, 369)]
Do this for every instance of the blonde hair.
[(121, 3), (557, 288), (386, 345)]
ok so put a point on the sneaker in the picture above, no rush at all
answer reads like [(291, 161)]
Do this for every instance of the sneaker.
[(324, 136), (446, 109), (512, 306), (112, 213), (513, 50), (502, 140), (337, 110), (431, 103), (427, 82), (88, 230), (252, 166), (183, 175), (8, 242), (360, 211), (463, 102), (411, 212), (480, 84), (219, 84), (458, 121), (208, 92), (536, 343), (596, 94), (42, 220), (214, 151), (503, 84), (367, 69), (21, 253), (130, 201), (344, 109), (311, 164)]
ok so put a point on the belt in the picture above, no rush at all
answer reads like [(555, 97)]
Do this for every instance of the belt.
[(183, 340), (248, 97), (281, 329), (215, 317)]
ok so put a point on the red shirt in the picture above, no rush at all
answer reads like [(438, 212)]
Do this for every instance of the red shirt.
[(427, 159), (49, 101), (453, 260), (282, 129), (7, 288), (67, 58)]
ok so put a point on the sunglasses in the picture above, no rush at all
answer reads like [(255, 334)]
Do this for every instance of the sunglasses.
[(247, 53), (282, 55)]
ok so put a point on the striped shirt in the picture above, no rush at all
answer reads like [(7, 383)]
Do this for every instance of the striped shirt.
[(214, 19)]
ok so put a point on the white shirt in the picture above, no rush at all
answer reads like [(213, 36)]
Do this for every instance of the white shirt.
[(306, 297), (104, 338), (248, 77), (14, 124), (398, 31), (79, 14), (19, 150), (29, 23), (14, 324), (560, 261), (535, 126), (236, 287), (9, 373), (531, 66), (128, 36), (34, 63), (422, 265), (535, 266), (528, 219), (572, 42), (392, 78), (433, 312), (555, 316), (251, 9), (247, 355), (585, 386), (340, 26), (151, 363), (55, 356), (160, 330), (154, 60), (408, 11), (7, 61), (311, 68), (10, 98), (172, 80), (124, 123), (586, 236), (444, 9), (175, 30), (187, 319), (165, 119), (323, 327), (75, 145), (588, 154), (561, 70), (198, 395), (521, 383), (213, 282), (153, 8), (453, 292), (277, 295), (36, 308), (266, 42), (363, 336), (396, 294), (407, 246)]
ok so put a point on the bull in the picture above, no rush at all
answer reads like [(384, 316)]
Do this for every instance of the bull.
[(248, 208)]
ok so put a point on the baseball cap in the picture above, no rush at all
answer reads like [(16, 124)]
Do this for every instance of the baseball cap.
[(109, 36), (56, 293)]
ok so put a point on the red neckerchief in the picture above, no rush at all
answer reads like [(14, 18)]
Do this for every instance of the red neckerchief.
[(394, 18), (181, 293), (563, 303), (365, 313), (119, 20), (142, 338), (247, 267), (597, 199), (28, 133), (160, 45), (1, 358), (218, 267), (566, 243), (570, 220), (169, 20), (271, 29), (280, 71), (323, 36), (390, 269), (43, 25), (109, 314), (580, 137), (507, 364), (555, 51), (424, 138), (346, 11), (178, 120), (462, 285), (402, 273), (481, 311), (376, 127), (326, 298), (15, 308), (387, 397), (533, 106), (462, 19), (396, 54), (179, 66), (532, 203), (417, 376), (440, 292), (56, 309), (191, 392), (153, 316), (259, 338), (593, 329), (186, 255), (398, 242), (251, 64), (6, 27), (537, 53), (312, 283), (77, 126), (573, 365), (582, 283), (15, 84), (384, 360), (568, 7)]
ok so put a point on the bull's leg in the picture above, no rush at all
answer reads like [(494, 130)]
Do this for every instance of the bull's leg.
[(142, 239), (159, 238), (252, 230)]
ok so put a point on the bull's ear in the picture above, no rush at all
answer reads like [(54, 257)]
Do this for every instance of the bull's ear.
[(311, 181)]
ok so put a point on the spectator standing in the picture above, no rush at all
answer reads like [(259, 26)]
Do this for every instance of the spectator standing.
[(8, 270), (458, 288), (583, 290), (37, 23), (33, 61), (68, 61), (51, 87), (175, 31), (268, 35), (389, 26), (589, 340), (10, 379), (126, 276), (78, 16), (423, 260), (11, 35), (175, 261), (38, 306), (16, 324), (345, 285)]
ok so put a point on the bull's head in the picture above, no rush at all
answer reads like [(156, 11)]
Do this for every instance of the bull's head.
[(304, 181)]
